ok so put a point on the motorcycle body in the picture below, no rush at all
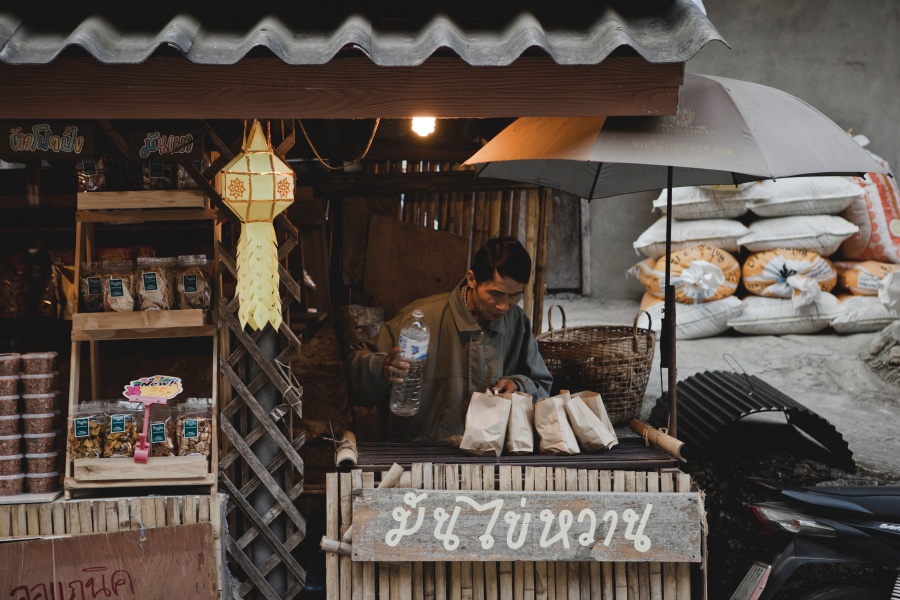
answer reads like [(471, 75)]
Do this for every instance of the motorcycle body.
[(827, 526)]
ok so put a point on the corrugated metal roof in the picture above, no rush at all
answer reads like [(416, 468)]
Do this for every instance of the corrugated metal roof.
[(302, 34), (710, 401)]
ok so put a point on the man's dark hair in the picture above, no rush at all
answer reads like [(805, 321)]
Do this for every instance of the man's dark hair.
[(506, 256)]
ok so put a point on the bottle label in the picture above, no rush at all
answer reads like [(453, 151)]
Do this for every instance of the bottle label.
[(413, 349)]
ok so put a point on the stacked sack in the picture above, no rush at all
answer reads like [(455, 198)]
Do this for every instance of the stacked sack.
[(868, 296), (705, 279)]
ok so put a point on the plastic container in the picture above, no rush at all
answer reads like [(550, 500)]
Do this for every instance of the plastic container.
[(9, 385), (414, 338), (39, 423), (10, 444), (44, 462), (9, 405), (9, 424), (12, 485), (39, 443), (39, 403), (39, 363), (11, 465), (42, 383), (9, 363), (41, 483)]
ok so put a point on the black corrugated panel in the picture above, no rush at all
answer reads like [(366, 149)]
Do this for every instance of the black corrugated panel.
[(710, 401), (305, 33)]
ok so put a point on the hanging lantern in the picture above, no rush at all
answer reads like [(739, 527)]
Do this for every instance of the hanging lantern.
[(257, 185)]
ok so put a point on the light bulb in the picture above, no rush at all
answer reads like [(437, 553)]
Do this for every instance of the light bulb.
[(423, 125)]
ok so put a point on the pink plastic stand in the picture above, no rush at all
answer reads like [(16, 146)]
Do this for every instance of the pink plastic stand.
[(142, 451)]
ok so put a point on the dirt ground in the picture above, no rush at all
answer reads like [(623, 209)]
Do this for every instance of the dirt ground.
[(823, 371)]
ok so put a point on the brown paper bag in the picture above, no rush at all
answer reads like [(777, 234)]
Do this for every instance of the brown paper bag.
[(486, 422), (595, 403), (591, 433), (520, 432), (553, 427)]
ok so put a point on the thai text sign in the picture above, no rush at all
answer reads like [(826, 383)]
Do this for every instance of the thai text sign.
[(166, 145), (465, 525), (46, 140)]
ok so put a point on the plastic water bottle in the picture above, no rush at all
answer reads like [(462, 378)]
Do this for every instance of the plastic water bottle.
[(414, 337)]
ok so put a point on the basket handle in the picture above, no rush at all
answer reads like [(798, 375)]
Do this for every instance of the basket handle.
[(634, 338), (549, 316)]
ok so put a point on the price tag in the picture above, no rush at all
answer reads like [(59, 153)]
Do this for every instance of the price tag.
[(189, 283), (157, 433), (190, 429), (150, 283), (116, 289), (82, 427)]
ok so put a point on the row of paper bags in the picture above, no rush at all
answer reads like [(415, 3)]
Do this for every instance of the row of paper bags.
[(564, 424)]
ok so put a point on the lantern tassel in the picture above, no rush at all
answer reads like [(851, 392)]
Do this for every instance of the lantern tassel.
[(257, 276)]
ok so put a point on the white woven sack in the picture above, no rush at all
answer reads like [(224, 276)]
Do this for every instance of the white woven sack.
[(709, 201), (777, 316), (819, 233), (862, 314), (721, 233), (877, 214), (805, 196), (693, 321)]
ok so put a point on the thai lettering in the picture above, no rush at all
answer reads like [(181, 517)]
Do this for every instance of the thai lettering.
[(486, 539), (94, 583), (42, 139), (565, 522), (511, 519), (401, 515), (587, 538), (641, 541), (163, 144), (612, 516), (451, 542)]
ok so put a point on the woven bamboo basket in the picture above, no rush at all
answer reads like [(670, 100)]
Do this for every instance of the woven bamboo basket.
[(613, 360)]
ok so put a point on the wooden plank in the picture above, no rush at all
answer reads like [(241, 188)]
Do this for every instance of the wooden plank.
[(519, 565), (593, 485), (5, 521), (124, 514), (32, 522), (540, 567), (620, 567), (491, 576), (584, 571), (528, 566), (134, 199), (465, 569), (451, 480), (140, 324), (169, 467), (440, 568), (683, 570), (46, 519), (505, 567), (478, 566), (144, 216), (643, 568), (131, 560), (345, 562), (368, 578), (98, 510), (551, 566), (631, 569), (670, 586), (655, 570), (332, 562), (112, 516), (562, 568), (59, 518), (356, 568)]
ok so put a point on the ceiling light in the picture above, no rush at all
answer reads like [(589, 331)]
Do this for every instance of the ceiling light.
[(423, 125)]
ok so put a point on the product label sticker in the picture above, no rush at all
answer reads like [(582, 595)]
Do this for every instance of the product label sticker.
[(94, 287), (157, 432), (157, 169), (116, 288), (89, 167), (190, 429), (189, 283), (117, 423), (82, 427), (150, 283)]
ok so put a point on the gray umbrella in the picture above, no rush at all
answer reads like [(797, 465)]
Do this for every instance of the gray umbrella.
[(726, 131)]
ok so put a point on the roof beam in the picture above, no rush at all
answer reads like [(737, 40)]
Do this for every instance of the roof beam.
[(354, 88)]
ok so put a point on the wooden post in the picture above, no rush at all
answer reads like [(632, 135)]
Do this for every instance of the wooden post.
[(531, 221), (518, 566), (670, 575), (465, 569), (540, 268), (529, 566), (655, 568), (496, 209), (440, 568), (478, 567), (368, 578), (683, 570), (428, 568), (451, 479), (562, 568), (506, 212), (505, 567), (491, 586), (479, 233), (332, 561), (356, 592), (541, 576)]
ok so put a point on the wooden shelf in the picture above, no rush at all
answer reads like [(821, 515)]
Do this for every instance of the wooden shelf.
[(144, 216), (141, 199), (140, 325), (156, 468)]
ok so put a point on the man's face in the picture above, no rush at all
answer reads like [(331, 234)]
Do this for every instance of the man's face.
[(493, 299)]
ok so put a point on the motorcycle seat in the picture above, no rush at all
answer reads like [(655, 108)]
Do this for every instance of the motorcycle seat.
[(881, 501)]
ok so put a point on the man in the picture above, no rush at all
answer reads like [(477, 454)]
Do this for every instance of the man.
[(480, 339)]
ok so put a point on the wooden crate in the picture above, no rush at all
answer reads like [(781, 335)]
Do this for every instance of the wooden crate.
[(508, 580)]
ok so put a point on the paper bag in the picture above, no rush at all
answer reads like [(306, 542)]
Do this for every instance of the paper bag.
[(520, 432), (589, 430), (595, 403), (553, 427), (486, 422)]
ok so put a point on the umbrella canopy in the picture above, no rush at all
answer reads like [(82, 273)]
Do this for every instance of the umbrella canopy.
[(726, 131)]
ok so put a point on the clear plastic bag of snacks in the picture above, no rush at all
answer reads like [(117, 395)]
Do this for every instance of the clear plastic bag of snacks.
[(90, 287), (92, 173), (85, 430), (193, 427), (15, 287), (118, 286), (161, 432), (193, 281), (154, 283), (125, 421)]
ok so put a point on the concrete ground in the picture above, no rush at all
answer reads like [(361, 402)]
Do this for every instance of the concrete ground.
[(822, 371)]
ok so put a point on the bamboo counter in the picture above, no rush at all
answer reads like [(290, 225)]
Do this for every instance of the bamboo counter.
[(356, 569)]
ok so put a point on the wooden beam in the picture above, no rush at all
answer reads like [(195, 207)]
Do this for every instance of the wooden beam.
[(175, 88)]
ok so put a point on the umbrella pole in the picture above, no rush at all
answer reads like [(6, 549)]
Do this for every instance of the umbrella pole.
[(667, 343)]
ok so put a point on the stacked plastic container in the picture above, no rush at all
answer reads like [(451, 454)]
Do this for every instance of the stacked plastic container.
[(29, 452)]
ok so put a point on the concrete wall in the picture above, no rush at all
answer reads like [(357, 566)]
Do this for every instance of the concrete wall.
[(840, 56)]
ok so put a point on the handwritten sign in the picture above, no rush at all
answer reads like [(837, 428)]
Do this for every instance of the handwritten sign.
[(158, 388), (46, 140), (449, 525), (166, 145)]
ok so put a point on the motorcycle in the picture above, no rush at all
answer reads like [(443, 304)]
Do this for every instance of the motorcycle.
[(828, 526)]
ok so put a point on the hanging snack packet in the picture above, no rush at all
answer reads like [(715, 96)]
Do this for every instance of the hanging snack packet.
[(91, 288), (118, 286), (193, 281), (193, 427), (161, 431), (154, 283), (85, 435), (124, 423)]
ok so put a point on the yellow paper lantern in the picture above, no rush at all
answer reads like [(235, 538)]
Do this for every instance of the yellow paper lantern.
[(257, 185)]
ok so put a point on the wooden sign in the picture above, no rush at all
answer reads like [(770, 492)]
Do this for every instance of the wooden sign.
[(46, 140), (467, 525), (166, 145), (164, 563)]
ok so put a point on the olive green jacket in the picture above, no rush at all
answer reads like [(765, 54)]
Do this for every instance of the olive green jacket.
[(462, 359)]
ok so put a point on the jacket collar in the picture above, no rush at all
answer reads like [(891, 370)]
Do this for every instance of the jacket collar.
[(465, 320)]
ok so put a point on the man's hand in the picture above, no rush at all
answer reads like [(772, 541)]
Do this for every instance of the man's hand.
[(504, 386), (394, 366)]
